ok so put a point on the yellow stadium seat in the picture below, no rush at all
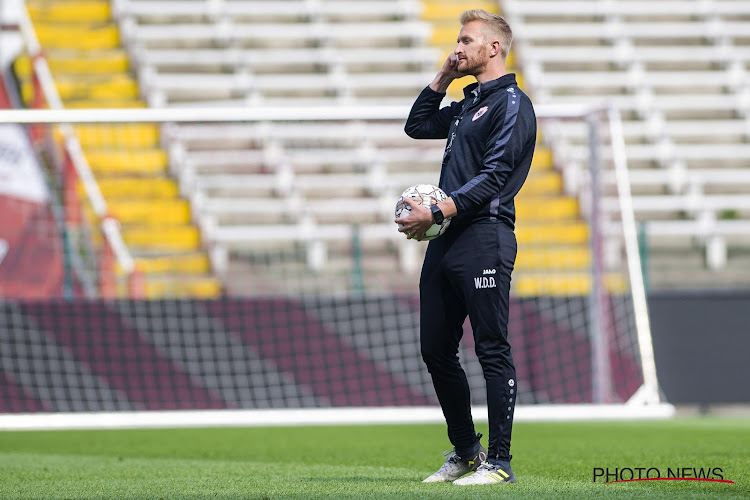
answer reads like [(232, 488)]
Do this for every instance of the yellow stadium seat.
[(542, 158), (88, 62), (519, 76), (126, 135), (163, 239), (440, 11), (77, 36), (546, 208), (91, 70), (188, 263), (562, 284), (22, 66), (123, 161), (70, 11), (97, 87), (104, 103), (444, 36), (133, 188), (27, 91), (554, 258), (152, 212), (456, 88), (443, 15), (542, 183), (552, 233), (198, 287), (116, 89)]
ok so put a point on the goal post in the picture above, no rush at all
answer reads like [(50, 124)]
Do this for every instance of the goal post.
[(318, 322)]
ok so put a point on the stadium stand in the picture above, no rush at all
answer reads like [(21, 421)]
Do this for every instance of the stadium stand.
[(268, 187), (678, 71), (687, 123), (245, 49), (310, 196), (81, 43)]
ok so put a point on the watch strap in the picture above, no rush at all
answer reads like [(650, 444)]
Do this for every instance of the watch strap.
[(437, 214)]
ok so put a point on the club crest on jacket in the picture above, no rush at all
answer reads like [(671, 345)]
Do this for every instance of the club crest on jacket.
[(479, 113)]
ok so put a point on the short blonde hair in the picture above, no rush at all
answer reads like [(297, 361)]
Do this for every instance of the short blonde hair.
[(495, 25)]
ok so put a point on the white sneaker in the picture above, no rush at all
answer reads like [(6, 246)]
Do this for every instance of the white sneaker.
[(455, 466), (488, 473)]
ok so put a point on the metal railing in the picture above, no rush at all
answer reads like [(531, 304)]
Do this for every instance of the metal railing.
[(75, 168)]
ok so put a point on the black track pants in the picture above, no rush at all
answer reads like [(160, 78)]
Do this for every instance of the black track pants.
[(468, 273)]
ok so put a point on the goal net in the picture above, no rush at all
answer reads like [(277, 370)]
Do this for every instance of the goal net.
[(247, 259)]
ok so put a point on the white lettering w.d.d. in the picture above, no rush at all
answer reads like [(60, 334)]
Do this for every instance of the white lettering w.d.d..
[(484, 282)]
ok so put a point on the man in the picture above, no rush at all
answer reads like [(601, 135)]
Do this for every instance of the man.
[(491, 136)]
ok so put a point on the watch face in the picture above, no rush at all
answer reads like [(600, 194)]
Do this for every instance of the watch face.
[(437, 214)]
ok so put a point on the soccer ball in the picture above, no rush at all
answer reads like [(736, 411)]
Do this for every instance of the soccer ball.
[(427, 195)]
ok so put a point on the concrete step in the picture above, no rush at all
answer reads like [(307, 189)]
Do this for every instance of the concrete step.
[(76, 11), (150, 212), (113, 103), (79, 62), (190, 263), (542, 183), (80, 36), (546, 207), (201, 287), (136, 188), (104, 86), (174, 238), (125, 135), (117, 162)]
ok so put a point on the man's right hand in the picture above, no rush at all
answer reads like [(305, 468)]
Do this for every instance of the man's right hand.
[(450, 66), (447, 74)]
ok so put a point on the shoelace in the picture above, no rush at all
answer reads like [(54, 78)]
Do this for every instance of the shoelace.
[(452, 459), (486, 466)]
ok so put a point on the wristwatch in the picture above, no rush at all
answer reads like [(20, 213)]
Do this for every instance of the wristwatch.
[(437, 214)]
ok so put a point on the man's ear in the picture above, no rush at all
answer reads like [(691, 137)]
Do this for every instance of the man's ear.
[(495, 49)]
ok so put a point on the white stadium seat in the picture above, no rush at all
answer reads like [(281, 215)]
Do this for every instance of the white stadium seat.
[(637, 8), (150, 10), (678, 70), (261, 33), (260, 59)]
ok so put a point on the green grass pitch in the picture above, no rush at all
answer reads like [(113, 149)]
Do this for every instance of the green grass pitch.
[(552, 460)]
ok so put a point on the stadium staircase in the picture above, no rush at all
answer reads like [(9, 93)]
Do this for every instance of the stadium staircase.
[(81, 43), (553, 249)]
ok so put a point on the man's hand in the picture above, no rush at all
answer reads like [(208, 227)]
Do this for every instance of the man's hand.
[(447, 74), (418, 222), (450, 66)]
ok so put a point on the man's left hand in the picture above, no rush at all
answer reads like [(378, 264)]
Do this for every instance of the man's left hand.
[(418, 222)]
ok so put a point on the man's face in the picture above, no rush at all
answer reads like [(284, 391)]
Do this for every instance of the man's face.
[(472, 49)]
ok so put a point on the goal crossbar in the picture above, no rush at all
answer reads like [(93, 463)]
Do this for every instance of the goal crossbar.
[(246, 114)]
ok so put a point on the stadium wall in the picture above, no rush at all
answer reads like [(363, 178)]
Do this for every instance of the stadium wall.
[(701, 345)]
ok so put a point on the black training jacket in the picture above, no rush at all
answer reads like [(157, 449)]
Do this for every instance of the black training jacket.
[(491, 136)]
